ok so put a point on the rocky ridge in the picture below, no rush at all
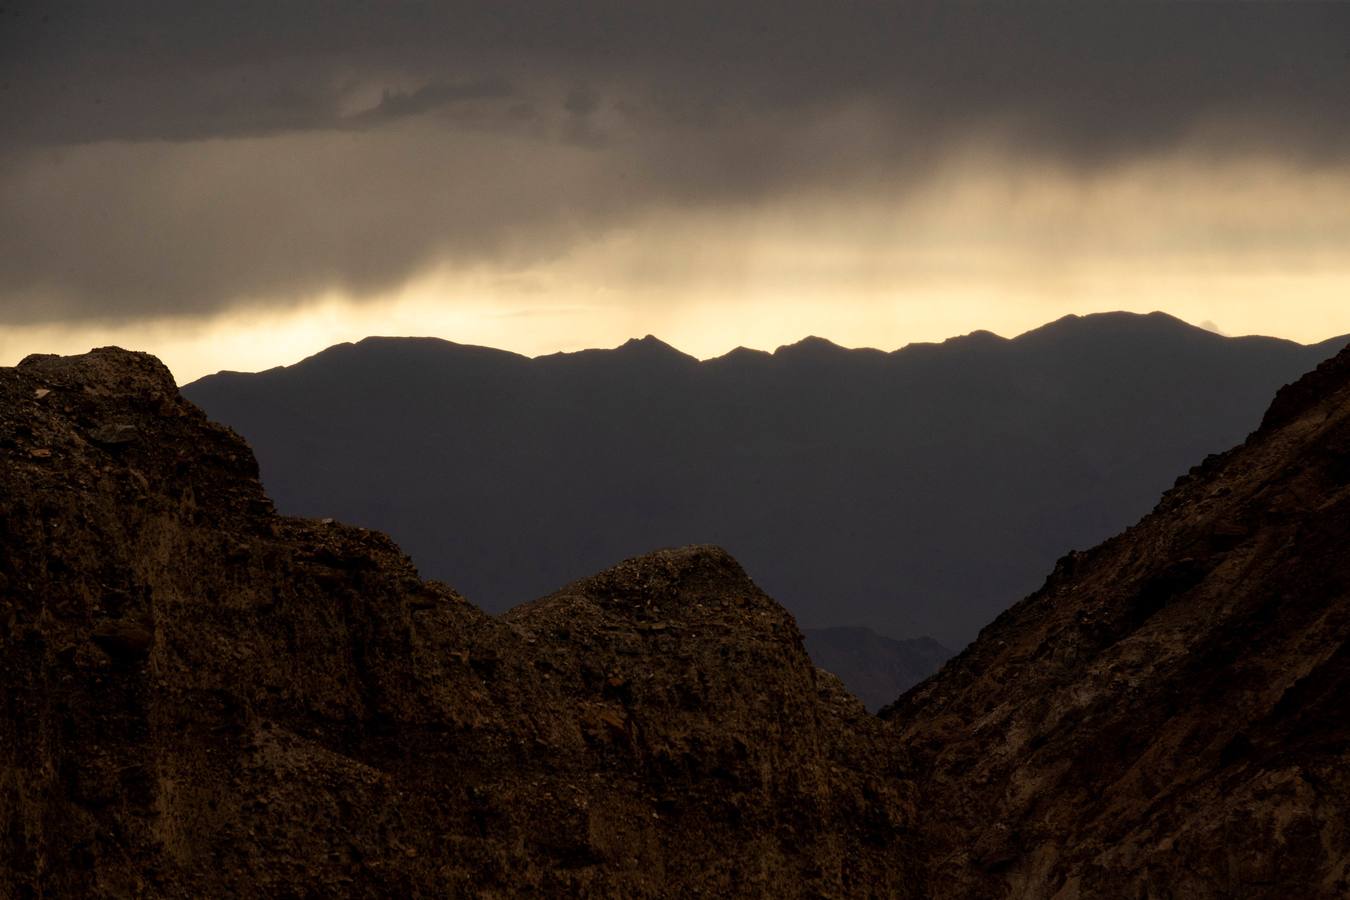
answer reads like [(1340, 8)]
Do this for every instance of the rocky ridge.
[(203, 697)]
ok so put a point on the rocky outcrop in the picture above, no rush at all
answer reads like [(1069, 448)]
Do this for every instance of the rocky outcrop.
[(204, 698)]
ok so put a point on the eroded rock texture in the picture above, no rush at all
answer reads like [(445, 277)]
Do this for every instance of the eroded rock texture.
[(202, 698), (1169, 716)]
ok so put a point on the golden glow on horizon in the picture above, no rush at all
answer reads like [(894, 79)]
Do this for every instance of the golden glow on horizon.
[(1255, 248)]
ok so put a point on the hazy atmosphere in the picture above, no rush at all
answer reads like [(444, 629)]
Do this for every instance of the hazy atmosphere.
[(240, 186)]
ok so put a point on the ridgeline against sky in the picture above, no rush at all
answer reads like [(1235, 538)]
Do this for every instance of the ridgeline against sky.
[(917, 492), (239, 184)]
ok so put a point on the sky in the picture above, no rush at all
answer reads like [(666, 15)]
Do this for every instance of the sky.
[(238, 185)]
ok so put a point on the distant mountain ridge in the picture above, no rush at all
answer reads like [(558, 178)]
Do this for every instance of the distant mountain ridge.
[(915, 491), (876, 668)]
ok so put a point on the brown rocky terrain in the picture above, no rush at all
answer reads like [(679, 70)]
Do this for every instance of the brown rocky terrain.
[(1169, 716), (203, 698)]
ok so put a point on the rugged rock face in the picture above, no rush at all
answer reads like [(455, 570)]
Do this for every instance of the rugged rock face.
[(1167, 716), (203, 698)]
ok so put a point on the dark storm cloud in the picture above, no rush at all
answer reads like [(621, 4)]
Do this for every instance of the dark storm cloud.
[(691, 102), (1095, 75)]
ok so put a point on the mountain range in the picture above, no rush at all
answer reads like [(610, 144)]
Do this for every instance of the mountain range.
[(914, 492), (205, 698)]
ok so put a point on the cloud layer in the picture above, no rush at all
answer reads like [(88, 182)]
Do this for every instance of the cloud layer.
[(167, 159)]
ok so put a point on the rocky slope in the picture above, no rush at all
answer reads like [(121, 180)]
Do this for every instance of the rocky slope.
[(203, 698), (1167, 716)]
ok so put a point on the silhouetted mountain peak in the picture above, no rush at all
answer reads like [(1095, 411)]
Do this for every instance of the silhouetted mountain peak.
[(651, 347), (427, 348), (743, 355), (644, 351), (974, 340), (979, 336), (1119, 324), (810, 346), (397, 342), (391, 354)]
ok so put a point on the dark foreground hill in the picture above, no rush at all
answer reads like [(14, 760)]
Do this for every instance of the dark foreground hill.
[(203, 698), (1169, 716), (913, 492)]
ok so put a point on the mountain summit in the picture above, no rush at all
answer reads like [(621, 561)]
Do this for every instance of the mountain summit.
[(651, 346)]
